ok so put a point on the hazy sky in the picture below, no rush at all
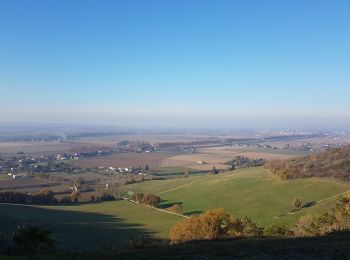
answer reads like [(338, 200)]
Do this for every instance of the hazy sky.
[(176, 63)]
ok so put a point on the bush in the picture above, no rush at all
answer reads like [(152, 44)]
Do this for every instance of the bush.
[(277, 231), (138, 197), (151, 200), (175, 208), (33, 239), (243, 227), (213, 224), (146, 241), (298, 203)]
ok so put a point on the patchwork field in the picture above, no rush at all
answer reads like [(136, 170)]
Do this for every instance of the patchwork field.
[(252, 192), (218, 156), (124, 160), (90, 226)]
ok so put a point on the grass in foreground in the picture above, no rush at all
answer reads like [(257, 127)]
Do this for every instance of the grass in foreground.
[(90, 226), (334, 246)]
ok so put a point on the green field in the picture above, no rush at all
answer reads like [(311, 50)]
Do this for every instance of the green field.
[(90, 226), (252, 192)]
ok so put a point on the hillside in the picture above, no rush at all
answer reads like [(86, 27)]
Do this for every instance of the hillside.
[(90, 226), (253, 192), (333, 163)]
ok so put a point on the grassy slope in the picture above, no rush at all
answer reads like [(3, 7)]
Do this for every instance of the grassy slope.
[(252, 192), (89, 226)]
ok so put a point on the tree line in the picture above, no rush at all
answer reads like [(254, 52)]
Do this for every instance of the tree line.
[(244, 162), (41, 197)]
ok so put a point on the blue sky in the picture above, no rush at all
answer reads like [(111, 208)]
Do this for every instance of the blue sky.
[(176, 63)]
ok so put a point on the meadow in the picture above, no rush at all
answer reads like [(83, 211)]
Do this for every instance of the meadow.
[(252, 192), (90, 226)]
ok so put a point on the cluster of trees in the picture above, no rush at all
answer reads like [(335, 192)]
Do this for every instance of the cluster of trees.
[(332, 163), (147, 199), (216, 224), (41, 197), (244, 162), (213, 224)]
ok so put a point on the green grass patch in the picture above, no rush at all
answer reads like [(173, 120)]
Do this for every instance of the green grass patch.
[(253, 192), (90, 226)]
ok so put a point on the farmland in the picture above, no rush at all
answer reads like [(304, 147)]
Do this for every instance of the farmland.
[(92, 224), (252, 192), (218, 156), (124, 160)]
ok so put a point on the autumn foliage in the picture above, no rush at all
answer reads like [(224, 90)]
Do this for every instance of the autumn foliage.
[(333, 163), (148, 199), (213, 224)]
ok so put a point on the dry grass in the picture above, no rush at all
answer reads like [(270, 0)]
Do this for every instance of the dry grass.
[(218, 156), (153, 160)]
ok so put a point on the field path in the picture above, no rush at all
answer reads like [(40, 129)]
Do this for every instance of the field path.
[(161, 210), (319, 201), (177, 188), (332, 197)]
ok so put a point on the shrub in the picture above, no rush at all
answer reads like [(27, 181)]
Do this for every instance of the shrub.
[(213, 224), (175, 208), (243, 227), (151, 200), (298, 203), (146, 241), (33, 239), (277, 231), (138, 197)]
